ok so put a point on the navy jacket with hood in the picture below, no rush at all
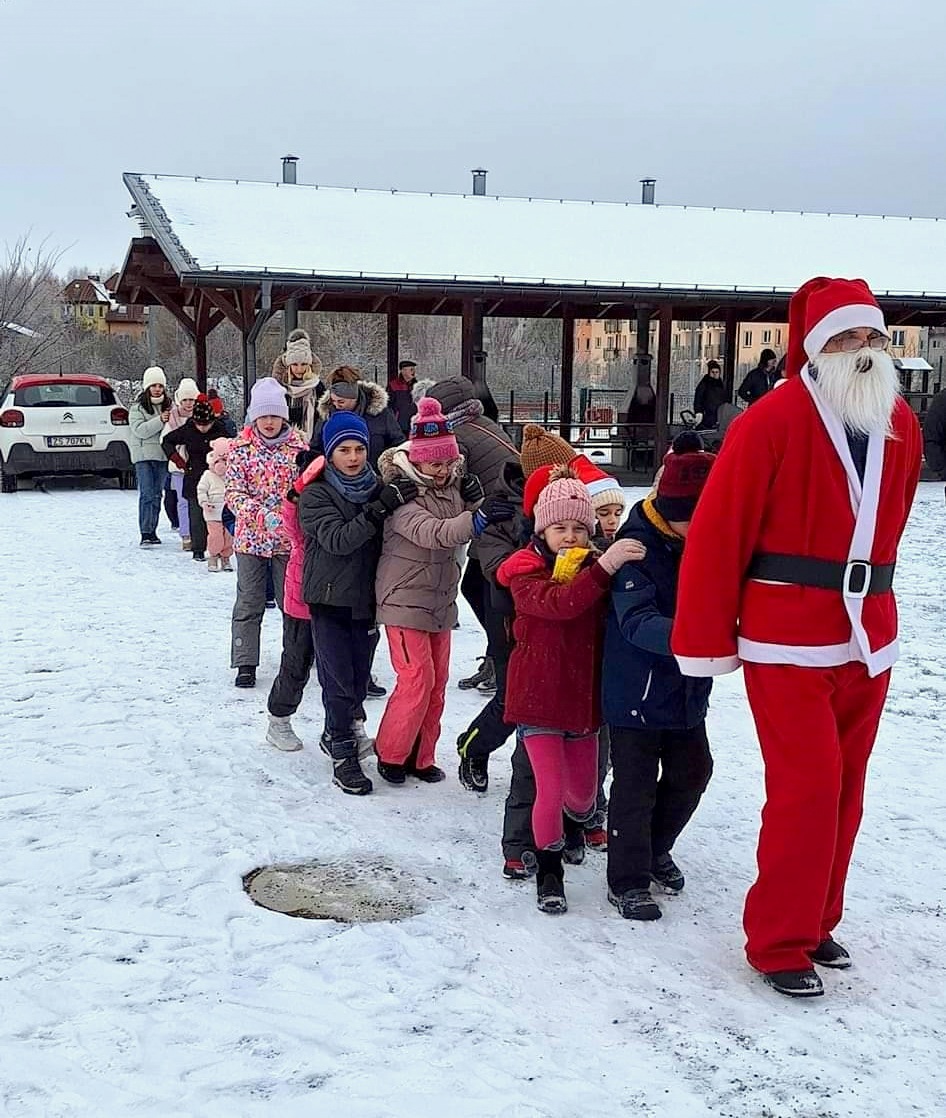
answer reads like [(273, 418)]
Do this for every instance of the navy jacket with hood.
[(642, 687)]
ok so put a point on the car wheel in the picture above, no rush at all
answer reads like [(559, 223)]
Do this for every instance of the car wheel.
[(8, 483)]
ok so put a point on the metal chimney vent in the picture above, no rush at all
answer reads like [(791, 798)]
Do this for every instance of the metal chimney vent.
[(479, 180), (289, 168), (647, 191)]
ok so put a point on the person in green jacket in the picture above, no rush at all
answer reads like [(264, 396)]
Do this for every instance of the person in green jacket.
[(146, 419)]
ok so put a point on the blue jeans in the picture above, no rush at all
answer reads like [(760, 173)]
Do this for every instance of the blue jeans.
[(151, 477)]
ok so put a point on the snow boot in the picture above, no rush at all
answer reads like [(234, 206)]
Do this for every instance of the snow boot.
[(185, 543), (430, 774), (225, 565), (346, 771), (365, 744), (198, 556), (146, 541), (573, 853), (796, 983), (515, 870), (213, 564), (245, 677), (280, 733), (830, 953), (550, 882), (665, 872), (375, 690), (635, 904), (474, 771), (483, 674), (596, 838), (154, 538), (392, 773)]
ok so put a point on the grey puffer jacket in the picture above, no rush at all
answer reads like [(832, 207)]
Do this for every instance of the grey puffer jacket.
[(145, 428), (419, 569), (483, 443)]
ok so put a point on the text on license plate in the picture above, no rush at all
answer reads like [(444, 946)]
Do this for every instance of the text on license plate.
[(70, 440)]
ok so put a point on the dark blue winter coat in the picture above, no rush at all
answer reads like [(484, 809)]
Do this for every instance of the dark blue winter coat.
[(642, 687)]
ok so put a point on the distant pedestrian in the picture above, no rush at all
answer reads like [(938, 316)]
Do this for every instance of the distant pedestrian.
[(146, 419), (220, 411), (187, 447), (761, 379), (182, 409), (934, 435), (400, 398), (710, 396)]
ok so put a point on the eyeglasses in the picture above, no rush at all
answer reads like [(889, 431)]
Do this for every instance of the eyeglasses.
[(851, 343)]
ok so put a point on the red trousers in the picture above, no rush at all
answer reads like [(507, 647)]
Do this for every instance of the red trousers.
[(422, 663), (816, 727)]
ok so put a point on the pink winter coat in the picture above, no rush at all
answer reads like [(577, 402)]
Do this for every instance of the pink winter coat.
[(258, 478), (292, 602)]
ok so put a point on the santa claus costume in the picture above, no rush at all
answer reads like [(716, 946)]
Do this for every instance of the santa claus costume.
[(787, 570)]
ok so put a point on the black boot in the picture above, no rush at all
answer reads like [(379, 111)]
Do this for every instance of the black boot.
[(829, 953), (474, 771), (550, 882), (635, 904), (667, 874), (573, 853), (347, 772), (245, 677), (796, 983), (392, 773), (483, 674)]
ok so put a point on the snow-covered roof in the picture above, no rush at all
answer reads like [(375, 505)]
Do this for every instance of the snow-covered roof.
[(103, 293), (296, 230), (914, 364), (16, 328)]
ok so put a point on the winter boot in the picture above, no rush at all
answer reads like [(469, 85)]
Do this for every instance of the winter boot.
[(347, 773), (154, 538), (596, 838), (225, 564), (550, 882), (281, 734), (474, 771), (829, 953), (666, 873), (796, 983), (635, 904), (483, 673), (515, 870), (392, 773), (146, 541), (430, 774), (198, 557), (213, 564), (364, 743), (245, 677), (375, 690), (573, 853), (185, 543)]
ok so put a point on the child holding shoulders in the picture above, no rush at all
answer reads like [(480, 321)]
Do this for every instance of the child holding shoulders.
[(559, 587), (212, 498), (660, 755)]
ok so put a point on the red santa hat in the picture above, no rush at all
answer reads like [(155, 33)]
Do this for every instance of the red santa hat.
[(823, 307)]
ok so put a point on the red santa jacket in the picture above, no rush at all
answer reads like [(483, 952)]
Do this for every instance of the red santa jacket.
[(554, 675), (785, 482)]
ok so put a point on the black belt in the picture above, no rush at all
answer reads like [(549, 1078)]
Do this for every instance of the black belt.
[(855, 579)]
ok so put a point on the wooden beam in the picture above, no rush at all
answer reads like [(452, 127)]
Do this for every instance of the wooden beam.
[(493, 307), (664, 342), (568, 367), (224, 302), (393, 322), (247, 302), (731, 320), (176, 309), (471, 339), (438, 305), (554, 306)]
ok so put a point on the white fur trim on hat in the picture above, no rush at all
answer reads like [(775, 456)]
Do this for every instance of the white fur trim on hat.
[(154, 374), (852, 317)]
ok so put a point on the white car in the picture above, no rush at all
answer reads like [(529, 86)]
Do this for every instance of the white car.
[(66, 424)]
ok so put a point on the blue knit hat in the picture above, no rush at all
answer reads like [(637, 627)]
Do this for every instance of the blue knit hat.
[(343, 425)]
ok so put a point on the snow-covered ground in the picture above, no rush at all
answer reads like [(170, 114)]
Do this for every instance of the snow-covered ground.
[(136, 978)]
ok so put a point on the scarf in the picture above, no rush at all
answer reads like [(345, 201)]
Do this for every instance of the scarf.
[(303, 396), (277, 440), (359, 489), (463, 413)]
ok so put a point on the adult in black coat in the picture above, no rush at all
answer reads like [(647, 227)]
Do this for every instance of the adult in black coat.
[(347, 392), (934, 435), (761, 379), (194, 438), (710, 395)]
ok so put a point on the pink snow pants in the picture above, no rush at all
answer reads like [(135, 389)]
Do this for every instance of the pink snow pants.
[(566, 778), (219, 541), (422, 663)]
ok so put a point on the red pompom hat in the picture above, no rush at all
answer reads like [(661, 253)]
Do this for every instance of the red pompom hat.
[(823, 307)]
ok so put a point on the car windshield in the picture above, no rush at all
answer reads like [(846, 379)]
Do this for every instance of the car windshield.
[(64, 394)]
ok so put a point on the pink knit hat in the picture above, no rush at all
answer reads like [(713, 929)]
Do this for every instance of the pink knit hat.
[(564, 498), (432, 437)]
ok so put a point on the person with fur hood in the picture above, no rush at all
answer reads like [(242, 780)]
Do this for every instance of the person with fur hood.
[(559, 587), (418, 577), (260, 468), (486, 449), (212, 497), (347, 391), (299, 371)]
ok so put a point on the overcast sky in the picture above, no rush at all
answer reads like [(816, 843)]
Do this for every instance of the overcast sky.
[(813, 105)]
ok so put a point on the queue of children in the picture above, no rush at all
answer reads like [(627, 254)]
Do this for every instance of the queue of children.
[(584, 675)]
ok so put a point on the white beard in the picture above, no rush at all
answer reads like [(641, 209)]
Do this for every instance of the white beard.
[(861, 388)]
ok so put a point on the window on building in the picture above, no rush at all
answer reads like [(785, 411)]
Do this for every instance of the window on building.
[(778, 337), (747, 337), (587, 343), (766, 337), (898, 337)]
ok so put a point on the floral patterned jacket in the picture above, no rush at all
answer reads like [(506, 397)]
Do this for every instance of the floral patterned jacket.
[(258, 477)]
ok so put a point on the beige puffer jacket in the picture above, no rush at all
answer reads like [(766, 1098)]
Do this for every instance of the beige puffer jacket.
[(419, 569)]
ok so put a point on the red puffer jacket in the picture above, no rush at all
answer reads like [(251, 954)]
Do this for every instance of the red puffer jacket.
[(555, 669)]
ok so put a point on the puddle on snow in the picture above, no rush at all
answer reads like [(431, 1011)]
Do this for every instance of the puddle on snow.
[(347, 892)]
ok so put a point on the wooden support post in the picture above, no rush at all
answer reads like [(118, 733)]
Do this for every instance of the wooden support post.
[(472, 358), (200, 361), (568, 368), (393, 339), (729, 353), (664, 339), (290, 318)]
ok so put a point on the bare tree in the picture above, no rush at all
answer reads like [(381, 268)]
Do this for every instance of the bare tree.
[(32, 329)]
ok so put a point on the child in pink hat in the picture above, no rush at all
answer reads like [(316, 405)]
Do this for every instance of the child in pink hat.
[(416, 589)]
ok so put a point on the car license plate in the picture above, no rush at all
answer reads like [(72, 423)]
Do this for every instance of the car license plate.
[(70, 440)]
